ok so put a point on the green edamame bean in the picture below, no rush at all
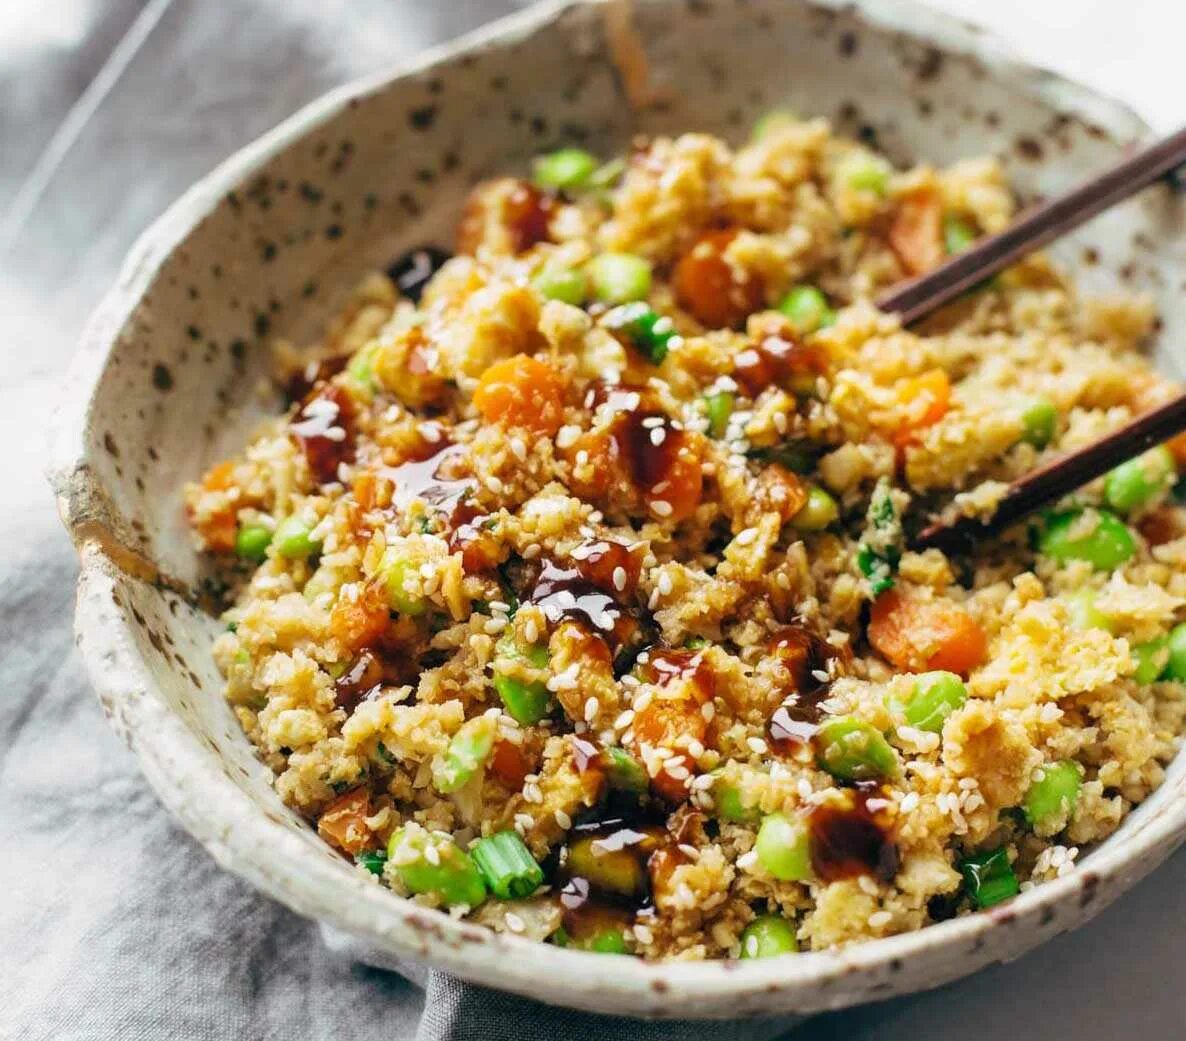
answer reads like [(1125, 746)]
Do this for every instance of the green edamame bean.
[(766, 936), (1104, 544), (783, 848), (852, 750)]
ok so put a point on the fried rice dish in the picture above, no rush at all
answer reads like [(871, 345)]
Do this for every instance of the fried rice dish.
[(572, 591)]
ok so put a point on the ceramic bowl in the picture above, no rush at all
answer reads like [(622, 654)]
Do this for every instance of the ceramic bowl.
[(167, 378)]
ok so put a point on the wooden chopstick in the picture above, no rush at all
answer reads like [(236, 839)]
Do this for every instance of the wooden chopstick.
[(1060, 476), (1033, 229)]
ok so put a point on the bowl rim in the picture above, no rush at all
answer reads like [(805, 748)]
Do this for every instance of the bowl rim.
[(231, 827)]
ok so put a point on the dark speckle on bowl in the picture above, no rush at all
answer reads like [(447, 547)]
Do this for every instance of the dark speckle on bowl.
[(162, 378), (423, 117)]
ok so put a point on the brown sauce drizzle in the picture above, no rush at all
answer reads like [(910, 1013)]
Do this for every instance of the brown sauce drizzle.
[(324, 430), (528, 212), (610, 565), (648, 444), (620, 825), (564, 594), (304, 379), (423, 479), (853, 839), (352, 687), (802, 656), (664, 665), (774, 359)]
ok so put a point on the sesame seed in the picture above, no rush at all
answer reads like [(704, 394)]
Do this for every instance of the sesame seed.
[(563, 819), (518, 448), (662, 508), (432, 855), (708, 710), (514, 922), (624, 720), (757, 745), (744, 538), (658, 436), (619, 578), (592, 707), (531, 630), (664, 585)]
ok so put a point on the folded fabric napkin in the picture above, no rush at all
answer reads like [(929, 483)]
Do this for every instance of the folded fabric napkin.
[(458, 1011)]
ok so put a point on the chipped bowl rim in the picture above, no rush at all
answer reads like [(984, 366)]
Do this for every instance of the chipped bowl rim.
[(225, 820)]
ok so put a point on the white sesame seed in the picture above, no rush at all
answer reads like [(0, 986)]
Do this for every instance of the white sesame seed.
[(658, 436), (592, 707), (518, 448), (619, 578), (757, 745), (744, 538), (495, 626), (664, 584), (432, 855), (494, 484), (514, 922), (661, 508), (531, 630), (708, 710), (624, 720), (563, 819)]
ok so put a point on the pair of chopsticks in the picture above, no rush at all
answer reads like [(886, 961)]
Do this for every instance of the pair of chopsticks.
[(920, 296)]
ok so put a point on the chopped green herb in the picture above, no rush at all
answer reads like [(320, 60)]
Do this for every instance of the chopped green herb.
[(508, 867), (649, 332), (989, 878)]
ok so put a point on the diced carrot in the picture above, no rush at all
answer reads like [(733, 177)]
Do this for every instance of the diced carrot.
[(780, 491), (358, 623), (917, 635), (509, 764), (218, 477), (683, 482), (218, 529), (343, 823), (522, 392), (916, 233), (665, 723), (924, 400), (708, 286)]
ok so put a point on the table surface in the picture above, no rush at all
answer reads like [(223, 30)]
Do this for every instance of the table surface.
[(111, 108)]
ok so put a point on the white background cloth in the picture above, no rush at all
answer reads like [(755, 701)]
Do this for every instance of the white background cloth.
[(113, 923)]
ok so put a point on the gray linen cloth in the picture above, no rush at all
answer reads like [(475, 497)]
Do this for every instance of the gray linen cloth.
[(114, 924)]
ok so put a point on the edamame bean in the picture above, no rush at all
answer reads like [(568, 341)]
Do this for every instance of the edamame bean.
[(935, 696), (852, 750), (766, 936), (1051, 799), (293, 540), (431, 862), (567, 169), (783, 848), (619, 278), (252, 541), (1099, 538), (807, 308), (1136, 481)]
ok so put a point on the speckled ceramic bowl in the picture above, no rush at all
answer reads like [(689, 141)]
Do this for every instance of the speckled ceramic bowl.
[(165, 384)]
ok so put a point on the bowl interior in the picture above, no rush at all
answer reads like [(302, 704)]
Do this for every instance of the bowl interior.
[(170, 378)]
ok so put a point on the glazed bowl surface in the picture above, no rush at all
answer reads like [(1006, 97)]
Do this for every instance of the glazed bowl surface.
[(168, 378)]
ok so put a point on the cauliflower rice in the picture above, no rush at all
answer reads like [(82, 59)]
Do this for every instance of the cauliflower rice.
[(575, 595)]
